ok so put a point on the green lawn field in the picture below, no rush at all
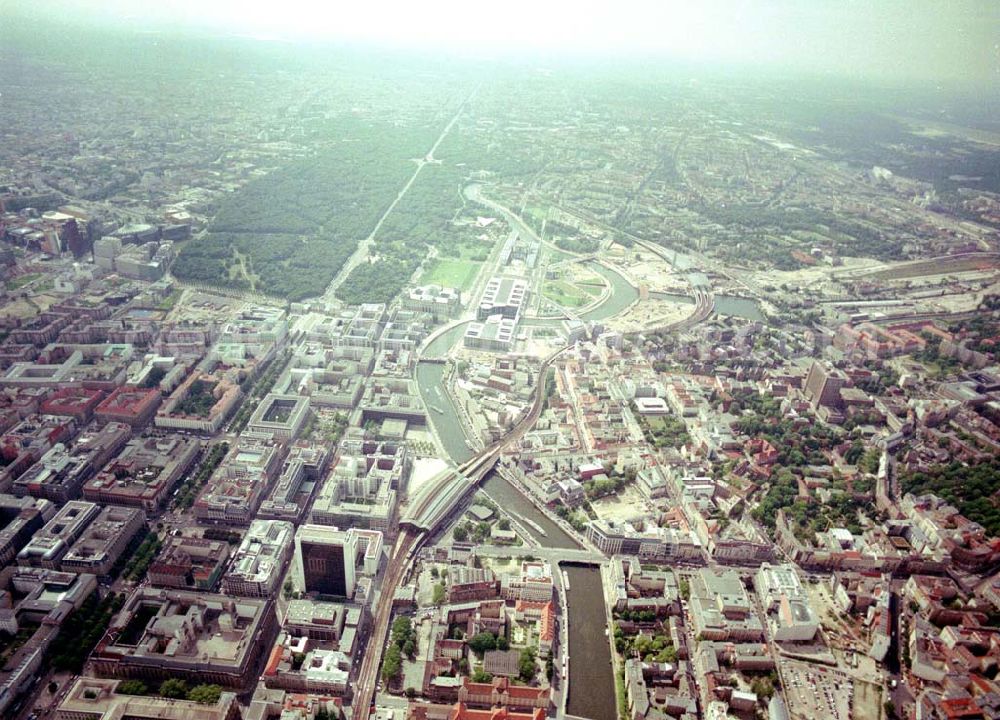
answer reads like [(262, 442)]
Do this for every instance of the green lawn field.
[(451, 273)]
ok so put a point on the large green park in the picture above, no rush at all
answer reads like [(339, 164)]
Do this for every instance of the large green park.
[(288, 232)]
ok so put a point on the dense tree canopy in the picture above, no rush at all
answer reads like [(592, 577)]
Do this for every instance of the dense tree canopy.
[(289, 232), (970, 488)]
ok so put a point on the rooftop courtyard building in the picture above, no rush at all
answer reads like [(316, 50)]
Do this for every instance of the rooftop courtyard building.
[(495, 334), (48, 546), (98, 699), (60, 474), (189, 562), (144, 472), (504, 296), (199, 637), (280, 416), (104, 541), (130, 405)]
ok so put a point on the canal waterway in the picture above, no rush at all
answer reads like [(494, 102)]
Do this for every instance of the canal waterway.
[(740, 307), (441, 412), (439, 346), (622, 294), (729, 305), (591, 675), (514, 502)]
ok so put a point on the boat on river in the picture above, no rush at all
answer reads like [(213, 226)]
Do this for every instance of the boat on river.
[(534, 526)]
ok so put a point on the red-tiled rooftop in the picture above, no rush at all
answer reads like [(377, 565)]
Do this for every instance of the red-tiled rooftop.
[(71, 400), (960, 708), (461, 712), (128, 399)]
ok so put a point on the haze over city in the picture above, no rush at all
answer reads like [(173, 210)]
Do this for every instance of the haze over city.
[(890, 40), (451, 361)]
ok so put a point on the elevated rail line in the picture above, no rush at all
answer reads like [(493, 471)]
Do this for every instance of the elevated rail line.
[(431, 508)]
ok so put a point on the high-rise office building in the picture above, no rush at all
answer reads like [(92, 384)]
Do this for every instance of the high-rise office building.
[(823, 385), (325, 560)]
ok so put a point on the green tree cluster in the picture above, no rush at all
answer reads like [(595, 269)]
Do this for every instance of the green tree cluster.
[(205, 694), (763, 687), (82, 630), (132, 687), (403, 640), (199, 399), (666, 431), (577, 243), (188, 492), (972, 488), (476, 532), (294, 228), (526, 664), (217, 533), (637, 616), (177, 689), (392, 664), (174, 688), (422, 219), (611, 485), (550, 386), (482, 642), (153, 377), (577, 522), (140, 560)]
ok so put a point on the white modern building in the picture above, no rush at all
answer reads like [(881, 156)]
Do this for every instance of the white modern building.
[(260, 562), (787, 605), (533, 582)]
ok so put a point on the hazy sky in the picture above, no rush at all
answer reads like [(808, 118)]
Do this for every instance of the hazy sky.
[(939, 40)]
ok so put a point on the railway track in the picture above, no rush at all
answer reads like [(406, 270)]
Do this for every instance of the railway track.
[(411, 537)]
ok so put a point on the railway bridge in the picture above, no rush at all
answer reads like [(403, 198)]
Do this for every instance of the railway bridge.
[(429, 511)]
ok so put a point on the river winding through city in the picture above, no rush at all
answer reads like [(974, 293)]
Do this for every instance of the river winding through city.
[(591, 686)]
